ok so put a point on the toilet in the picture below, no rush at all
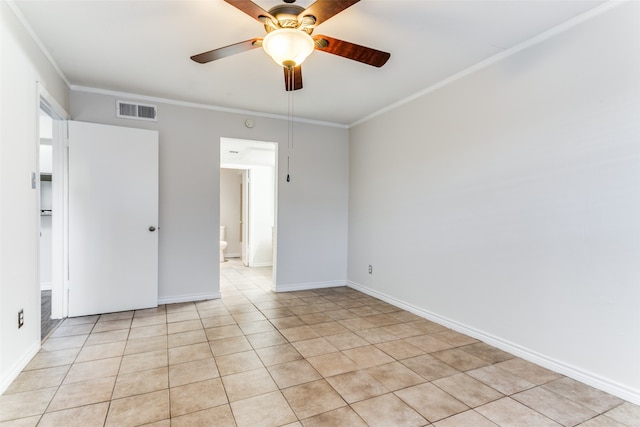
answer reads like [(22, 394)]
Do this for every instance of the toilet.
[(223, 242)]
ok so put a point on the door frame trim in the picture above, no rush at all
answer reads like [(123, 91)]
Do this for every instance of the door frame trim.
[(59, 286)]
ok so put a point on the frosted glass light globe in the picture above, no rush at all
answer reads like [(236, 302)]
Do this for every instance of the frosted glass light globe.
[(288, 45)]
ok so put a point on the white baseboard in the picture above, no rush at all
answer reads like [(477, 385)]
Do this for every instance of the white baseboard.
[(15, 370), (594, 380), (188, 298), (262, 264), (309, 286)]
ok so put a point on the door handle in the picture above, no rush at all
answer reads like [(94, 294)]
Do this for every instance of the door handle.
[(152, 228)]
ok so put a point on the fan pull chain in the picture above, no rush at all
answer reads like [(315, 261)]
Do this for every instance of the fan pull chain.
[(291, 85)]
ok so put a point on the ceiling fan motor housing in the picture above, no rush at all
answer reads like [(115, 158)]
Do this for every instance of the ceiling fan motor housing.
[(287, 17)]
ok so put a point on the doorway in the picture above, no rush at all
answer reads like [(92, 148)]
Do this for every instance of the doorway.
[(248, 195), (51, 190), (47, 323)]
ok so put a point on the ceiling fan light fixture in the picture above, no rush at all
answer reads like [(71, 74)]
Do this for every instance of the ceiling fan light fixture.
[(287, 45)]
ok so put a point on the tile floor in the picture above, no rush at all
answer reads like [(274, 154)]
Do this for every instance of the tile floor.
[(329, 357), (46, 323)]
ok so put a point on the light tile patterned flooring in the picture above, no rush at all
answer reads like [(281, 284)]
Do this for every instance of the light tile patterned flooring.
[(328, 357)]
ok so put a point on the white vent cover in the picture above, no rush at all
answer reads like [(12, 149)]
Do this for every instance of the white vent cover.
[(131, 110)]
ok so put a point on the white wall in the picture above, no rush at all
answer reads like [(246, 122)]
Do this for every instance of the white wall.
[(230, 184), (507, 203), (312, 208), (22, 65), (46, 154)]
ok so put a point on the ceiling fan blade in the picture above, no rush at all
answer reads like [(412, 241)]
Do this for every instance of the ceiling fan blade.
[(296, 74), (363, 54), (223, 52), (251, 9), (325, 9)]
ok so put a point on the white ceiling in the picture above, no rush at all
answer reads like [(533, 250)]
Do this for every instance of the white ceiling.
[(143, 47), (241, 153)]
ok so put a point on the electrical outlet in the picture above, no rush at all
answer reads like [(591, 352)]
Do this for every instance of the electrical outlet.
[(20, 318), (370, 269)]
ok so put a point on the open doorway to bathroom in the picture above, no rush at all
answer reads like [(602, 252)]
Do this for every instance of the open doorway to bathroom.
[(248, 194)]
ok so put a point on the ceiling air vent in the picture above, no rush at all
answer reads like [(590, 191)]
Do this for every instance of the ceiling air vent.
[(130, 110)]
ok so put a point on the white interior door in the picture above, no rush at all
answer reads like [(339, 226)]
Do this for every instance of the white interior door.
[(113, 218)]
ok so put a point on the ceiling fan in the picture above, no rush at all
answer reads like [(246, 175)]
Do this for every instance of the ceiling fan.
[(289, 41)]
